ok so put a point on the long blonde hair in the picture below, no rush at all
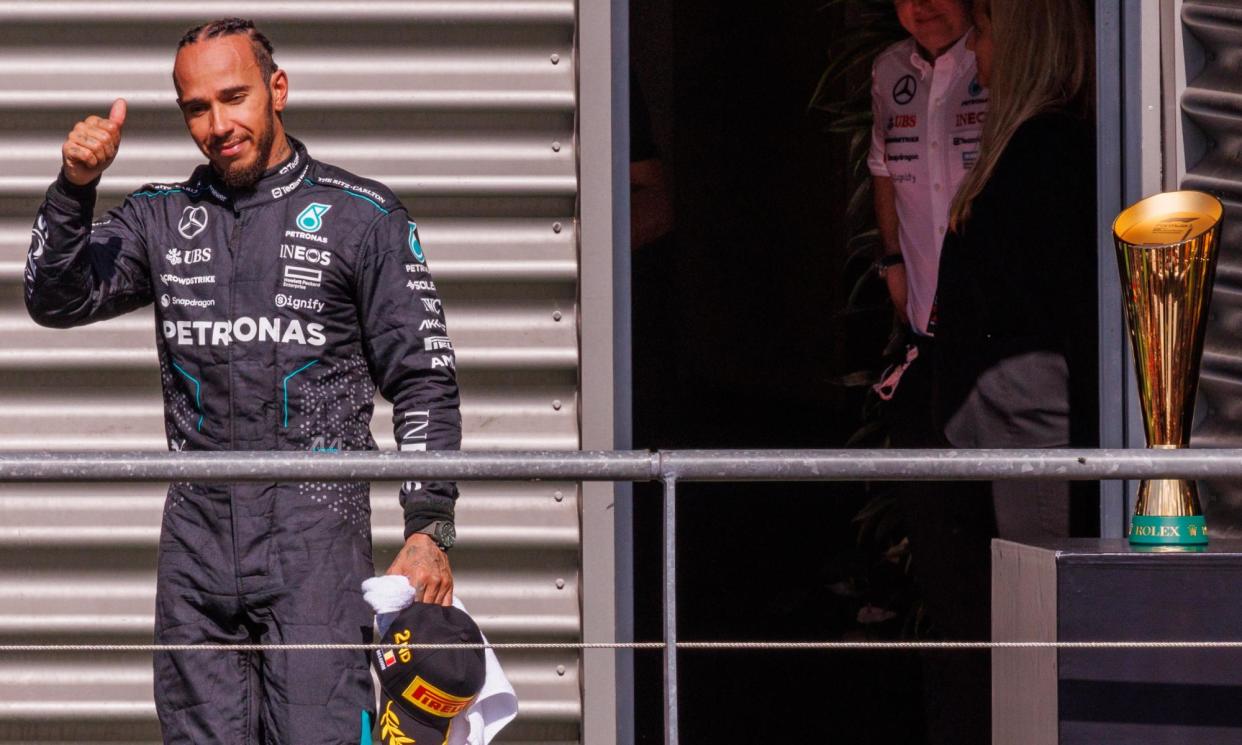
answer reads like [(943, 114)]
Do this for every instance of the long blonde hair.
[(1043, 58)]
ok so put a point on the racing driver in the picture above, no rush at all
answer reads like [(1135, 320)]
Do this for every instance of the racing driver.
[(286, 291)]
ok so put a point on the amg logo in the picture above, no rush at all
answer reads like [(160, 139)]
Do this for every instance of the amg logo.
[(437, 342), (431, 323), (302, 253), (444, 360)]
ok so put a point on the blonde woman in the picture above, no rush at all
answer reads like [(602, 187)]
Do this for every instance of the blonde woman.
[(1016, 302)]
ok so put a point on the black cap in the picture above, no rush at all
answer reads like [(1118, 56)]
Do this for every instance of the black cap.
[(423, 689)]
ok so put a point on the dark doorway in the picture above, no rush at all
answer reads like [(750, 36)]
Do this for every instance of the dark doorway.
[(738, 335)]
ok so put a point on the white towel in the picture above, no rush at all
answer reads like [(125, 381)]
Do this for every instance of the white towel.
[(496, 704)]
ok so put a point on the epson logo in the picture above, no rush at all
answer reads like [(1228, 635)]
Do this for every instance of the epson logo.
[(244, 329), (305, 236), (318, 256), (299, 303), (431, 323)]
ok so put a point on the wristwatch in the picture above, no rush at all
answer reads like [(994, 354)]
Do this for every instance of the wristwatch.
[(442, 532), (882, 264)]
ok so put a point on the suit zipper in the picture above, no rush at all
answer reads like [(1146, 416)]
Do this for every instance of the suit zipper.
[(234, 243)]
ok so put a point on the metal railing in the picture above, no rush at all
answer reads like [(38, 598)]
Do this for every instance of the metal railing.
[(668, 467)]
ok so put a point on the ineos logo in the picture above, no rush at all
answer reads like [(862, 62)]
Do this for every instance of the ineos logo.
[(903, 92), (193, 221)]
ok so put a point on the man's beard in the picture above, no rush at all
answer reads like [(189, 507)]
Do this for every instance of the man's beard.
[(244, 177)]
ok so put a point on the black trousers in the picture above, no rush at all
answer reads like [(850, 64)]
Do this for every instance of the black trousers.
[(950, 526)]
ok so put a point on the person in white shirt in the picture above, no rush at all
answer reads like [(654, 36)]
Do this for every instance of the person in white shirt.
[(929, 109)]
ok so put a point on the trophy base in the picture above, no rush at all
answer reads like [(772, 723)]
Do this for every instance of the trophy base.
[(1163, 530)]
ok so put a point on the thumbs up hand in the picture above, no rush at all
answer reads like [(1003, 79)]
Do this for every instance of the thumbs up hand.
[(91, 146)]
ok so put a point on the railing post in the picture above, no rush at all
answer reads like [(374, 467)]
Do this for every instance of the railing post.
[(670, 610)]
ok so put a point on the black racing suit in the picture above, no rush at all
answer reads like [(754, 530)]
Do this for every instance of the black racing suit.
[(278, 311)]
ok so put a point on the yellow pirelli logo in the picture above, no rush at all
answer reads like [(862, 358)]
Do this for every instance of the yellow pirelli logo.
[(433, 700)]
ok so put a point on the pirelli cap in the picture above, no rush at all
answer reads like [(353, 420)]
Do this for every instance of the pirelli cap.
[(421, 690)]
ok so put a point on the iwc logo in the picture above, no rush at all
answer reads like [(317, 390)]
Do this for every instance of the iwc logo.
[(311, 218), (904, 90), (193, 221)]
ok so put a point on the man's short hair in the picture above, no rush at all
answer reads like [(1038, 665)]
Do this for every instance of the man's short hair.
[(230, 26)]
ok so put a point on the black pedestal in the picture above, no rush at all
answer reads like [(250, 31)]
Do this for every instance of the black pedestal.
[(1103, 590)]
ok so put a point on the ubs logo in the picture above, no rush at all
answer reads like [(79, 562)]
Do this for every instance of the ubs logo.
[(904, 90), (193, 221)]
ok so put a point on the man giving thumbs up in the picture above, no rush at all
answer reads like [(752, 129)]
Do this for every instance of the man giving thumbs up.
[(287, 292), (92, 145)]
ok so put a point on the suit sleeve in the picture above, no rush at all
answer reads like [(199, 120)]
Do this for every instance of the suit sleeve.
[(78, 272), (410, 356)]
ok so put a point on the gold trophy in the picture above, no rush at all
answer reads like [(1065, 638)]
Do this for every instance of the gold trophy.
[(1166, 252)]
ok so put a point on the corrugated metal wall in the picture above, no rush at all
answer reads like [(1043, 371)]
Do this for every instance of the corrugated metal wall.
[(1212, 105), (466, 109)]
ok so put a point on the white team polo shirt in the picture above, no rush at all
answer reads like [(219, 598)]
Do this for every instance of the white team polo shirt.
[(928, 122)]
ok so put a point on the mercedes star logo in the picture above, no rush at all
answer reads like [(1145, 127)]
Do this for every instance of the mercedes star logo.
[(193, 221), (903, 92)]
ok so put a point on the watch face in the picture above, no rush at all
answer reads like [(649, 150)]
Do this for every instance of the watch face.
[(446, 535)]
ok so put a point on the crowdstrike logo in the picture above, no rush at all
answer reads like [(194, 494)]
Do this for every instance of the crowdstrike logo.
[(173, 279), (193, 221), (311, 218), (244, 329)]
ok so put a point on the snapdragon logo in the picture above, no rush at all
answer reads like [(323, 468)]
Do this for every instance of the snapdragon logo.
[(244, 329)]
